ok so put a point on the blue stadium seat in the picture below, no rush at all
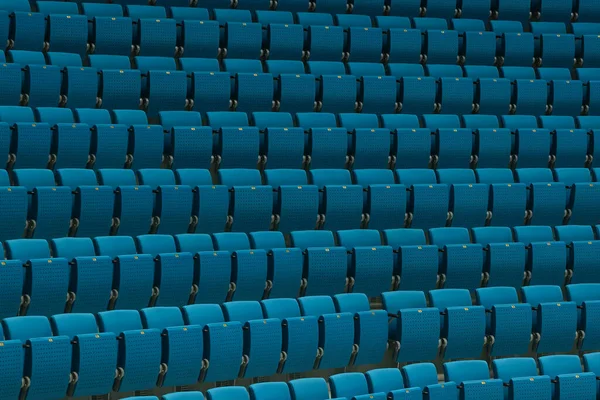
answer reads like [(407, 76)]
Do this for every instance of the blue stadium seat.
[(417, 95), (300, 335), (444, 71), (46, 358), (415, 330), (581, 245), (480, 121), (66, 31), (370, 327), (262, 338), (415, 262), (140, 358), (348, 385), (28, 29), (212, 269), (384, 202), (508, 200), (516, 48), (295, 92), (428, 202), (556, 50), (468, 200), (295, 203), (546, 199), (479, 47), (336, 331), (530, 97), (508, 321), (223, 393), (546, 259), (94, 374), (463, 325), (402, 45), (41, 83), (370, 263), (284, 39), (268, 390), (584, 295), (378, 94), (424, 375), (564, 97), (452, 147), (581, 194), (325, 265), (441, 47), (153, 33), (191, 143), (504, 261), (285, 265), (198, 36), (184, 396), (424, 24), (47, 215), (210, 91), (120, 86), (253, 92), (554, 320), (249, 267), (590, 362), (250, 203), (133, 274), (341, 202), (43, 277), (520, 375), (566, 371), (163, 87), (496, 104), (461, 263), (109, 31), (455, 95), (473, 377), (236, 144), (308, 388), (390, 380), (337, 93)]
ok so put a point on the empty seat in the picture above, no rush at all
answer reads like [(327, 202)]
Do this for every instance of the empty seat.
[(49, 376), (504, 261), (29, 29), (308, 388), (586, 298), (389, 380), (468, 200), (580, 192), (402, 45), (580, 244), (251, 202), (508, 321), (553, 319), (264, 390), (140, 358), (417, 95), (325, 265), (479, 48), (236, 143), (348, 385), (520, 374), (337, 93), (340, 201), (547, 259), (199, 36), (191, 143), (415, 330), (415, 262), (557, 50), (456, 95), (424, 375), (428, 202), (564, 97), (474, 378), (530, 96), (546, 199), (325, 42), (67, 32), (570, 380), (253, 92), (120, 88), (164, 88), (384, 202), (516, 49), (441, 47), (460, 339)]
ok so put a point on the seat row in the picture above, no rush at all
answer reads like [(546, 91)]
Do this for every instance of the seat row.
[(168, 346), (118, 272), (513, 379)]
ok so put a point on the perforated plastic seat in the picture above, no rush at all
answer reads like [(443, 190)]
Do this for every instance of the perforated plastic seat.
[(586, 298), (474, 379), (520, 374), (308, 388), (424, 375), (426, 209), (384, 202), (570, 380)]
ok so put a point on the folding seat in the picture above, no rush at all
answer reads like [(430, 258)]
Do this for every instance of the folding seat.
[(295, 92), (440, 9), (146, 142), (368, 147), (566, 372), (109, 31), (268, 390), (427, 202), (300, 335), (564, 97), (66, 31), (415, 262), (284, 41), (341, 202), (370, 263), (120, 86), (14, 215), (402, 70), (223, 342), (474, 9), (444, 71), (362, 41), (295, 203), (468, 199), (139, 359), (282, 145), (461, 262), (508, 322), (223, 393), (479, 48), (546, 259), (390, 380), (554, 320), (415, 332), (337, 93), (250, 205), (327, 145), (173, 203), (520, 376), (262, 338), (557, 50), (236, 145), (319, 250), (241, 39), (580, 247), (43, 277), (516, 49), (377, 94), (473, 378), (511, 10), (508, 201), (424, 375), (504, 261), (529, 97), (210, 91), (324, 43), (493, 147), (370, 327), (463, 25), (425, 24), (47, 358), (133, 204), (90, 375), (455, 95), (277, 67), (402, 45), (92, 204), (27, 29), (10, 78), (514, 73), (590, 362), (441, 47), (191, 143), (570, 148), (477, 121), (308, 388), (587, 11), (554, 123), (463, 325), (452, 147), (394, 121), (253, 92), (153, 33), (417, 95), (164, 88), (411, 147), (485, 102), (336, 331), (480, 71), (586, 297), (333, 7), (197, 35), (546, 199), (384, 202), (348, 385), (41, 83), (47, 216)]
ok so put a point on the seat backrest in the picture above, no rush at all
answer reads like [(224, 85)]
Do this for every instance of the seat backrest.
[(508, 368), (269, 390), (490, 296), (26, 249), (240, 177), (280, 308), (530, 234), (242, 311), (470, 370), (316, 305), (348, 384), (117, 321), (351, 302), (396, 301), (114, 246), (308, 389), (444, 236), (306, 239), (403, 237), (228, 393), (73, 324), (492, 234), (583, 292), (161, 317), (535, 295), (202, 314), (559, 364), (267, 240), (71, 247), (420, 375), (571, 233), (26, 327), (194, 243), (231, 241), (444, 298), (155, 244), (384, 380)]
